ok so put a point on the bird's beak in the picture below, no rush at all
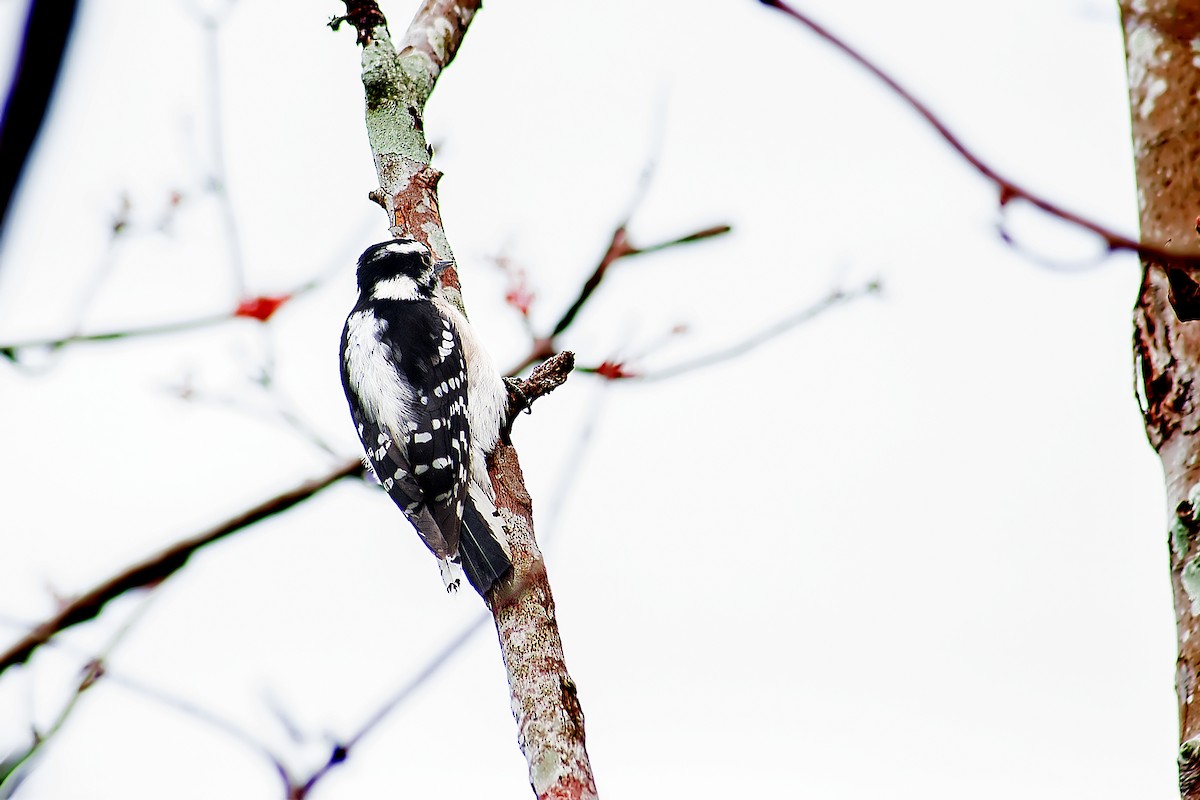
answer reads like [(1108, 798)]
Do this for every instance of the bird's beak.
[(440, 266)]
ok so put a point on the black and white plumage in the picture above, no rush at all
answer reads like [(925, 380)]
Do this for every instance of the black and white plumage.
[(428, 403)]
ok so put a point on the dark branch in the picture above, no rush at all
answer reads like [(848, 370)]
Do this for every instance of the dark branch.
[(620, 248), (163, 564), (43, 48), (544, 347)]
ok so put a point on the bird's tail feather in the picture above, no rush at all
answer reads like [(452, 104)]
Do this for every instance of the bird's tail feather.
[(483, 556)]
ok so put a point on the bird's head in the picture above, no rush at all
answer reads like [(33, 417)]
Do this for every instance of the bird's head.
[(398, 269)]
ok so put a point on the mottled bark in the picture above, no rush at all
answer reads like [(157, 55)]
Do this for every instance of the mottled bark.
[(397, 84), (544, 701), (1162, 43)]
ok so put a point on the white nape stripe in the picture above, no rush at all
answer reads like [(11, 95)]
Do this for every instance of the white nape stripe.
[(377, 384), (400, 287)]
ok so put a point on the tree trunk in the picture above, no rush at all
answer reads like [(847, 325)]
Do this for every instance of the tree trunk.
[(1163, 53)]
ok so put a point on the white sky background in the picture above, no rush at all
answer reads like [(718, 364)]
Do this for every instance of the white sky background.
[(915, 549)]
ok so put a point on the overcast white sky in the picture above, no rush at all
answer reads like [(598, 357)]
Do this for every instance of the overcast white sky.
[(915, 549)]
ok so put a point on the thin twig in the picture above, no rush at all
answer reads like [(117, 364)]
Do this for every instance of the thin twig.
[(247, 310), (183, 706), (11, 350), (94, 670), (209, 718), (1054, 265), (334, 268), (163, 564), (620, 248), (342, 750), (543, 347), (646, 177), (118, 234), (219, 180), (834, 298)]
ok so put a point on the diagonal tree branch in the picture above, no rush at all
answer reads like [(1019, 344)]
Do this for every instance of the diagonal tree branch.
[(621, 248), (341, 751), (397, 86), (546, 377), (163, 564), (12, 351)]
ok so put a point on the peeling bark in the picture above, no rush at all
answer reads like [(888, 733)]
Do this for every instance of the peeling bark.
[(1162, 43)]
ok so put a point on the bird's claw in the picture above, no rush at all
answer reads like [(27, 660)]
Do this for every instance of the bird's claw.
[(514, 386)]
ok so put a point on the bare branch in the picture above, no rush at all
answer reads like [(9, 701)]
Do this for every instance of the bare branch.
[(15, 769), (549, 717), (1188, 257), (164, 564), (437, 30), (12, 351), (1055, 265), (620, 248), (342, 750), (261, 308), (543, 347), (167, 699)]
